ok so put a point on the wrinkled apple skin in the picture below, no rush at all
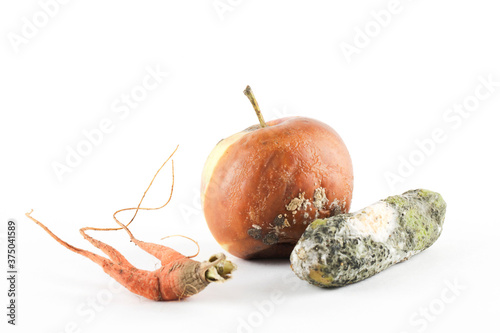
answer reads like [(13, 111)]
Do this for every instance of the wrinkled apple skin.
[(262, 187)]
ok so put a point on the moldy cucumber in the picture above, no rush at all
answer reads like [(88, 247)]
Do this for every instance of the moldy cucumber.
[(348, 248)]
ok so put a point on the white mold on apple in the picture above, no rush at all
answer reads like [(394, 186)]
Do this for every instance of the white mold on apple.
[(263, 186)]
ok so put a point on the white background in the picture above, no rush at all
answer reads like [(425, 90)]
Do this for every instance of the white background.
[(70, 74)]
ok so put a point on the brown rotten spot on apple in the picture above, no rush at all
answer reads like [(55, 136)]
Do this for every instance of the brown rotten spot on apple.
[(263, 186)]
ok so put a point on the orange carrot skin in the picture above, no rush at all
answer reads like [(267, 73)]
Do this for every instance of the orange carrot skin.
[(179, 279), (179, 276), (141, 282)]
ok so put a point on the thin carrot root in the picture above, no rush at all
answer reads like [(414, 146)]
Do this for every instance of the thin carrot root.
[(177, 278), (192, 240)]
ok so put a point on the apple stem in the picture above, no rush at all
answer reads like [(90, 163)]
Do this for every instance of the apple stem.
[(249, 93)]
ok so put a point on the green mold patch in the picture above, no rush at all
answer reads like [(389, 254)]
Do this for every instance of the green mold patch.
[(397, 200), (317, 223), (419, 227)]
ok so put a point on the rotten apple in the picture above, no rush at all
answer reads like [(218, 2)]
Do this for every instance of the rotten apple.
[(263, 186)]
